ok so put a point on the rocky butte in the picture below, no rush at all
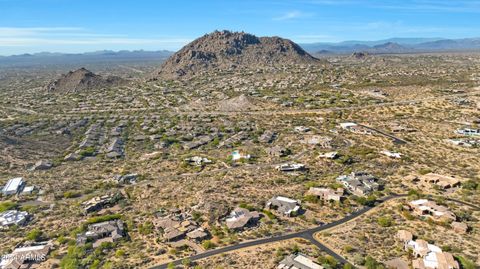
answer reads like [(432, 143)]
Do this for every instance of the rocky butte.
[(225, 50)]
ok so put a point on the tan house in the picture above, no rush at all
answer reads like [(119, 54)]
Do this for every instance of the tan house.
[(443, 182), (459, 227), (429, 256), (404, 236), (424, 207), (397, 263), (240, 218), (298, 261), (327, 194), (175, 228)]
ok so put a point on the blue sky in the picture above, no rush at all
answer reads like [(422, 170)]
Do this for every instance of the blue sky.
[(28, 26)]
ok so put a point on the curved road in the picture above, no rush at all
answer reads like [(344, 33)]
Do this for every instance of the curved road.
[(460, 202), (305, 234)]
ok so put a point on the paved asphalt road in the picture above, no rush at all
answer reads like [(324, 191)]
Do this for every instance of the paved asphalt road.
[(305, 234), (395, 139), (462, 202)]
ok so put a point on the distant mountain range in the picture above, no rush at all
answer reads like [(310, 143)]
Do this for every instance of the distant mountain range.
[(392, 45), (97, 57), (396, 45)]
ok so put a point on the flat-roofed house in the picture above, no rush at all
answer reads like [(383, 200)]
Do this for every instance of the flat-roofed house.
[(355, 128), (360, 183), (13, 186), (329, 155), (468, 132), (327, 194), (397, 263), (317, 140), (459, 227), (444, 182), (404, 236), (278, 151), (424, 207), (13, 217), (197, 235), (394, 155), (429, 256), (99, 202), (173, 234), (237, 155), (347, 125), (290, 167)]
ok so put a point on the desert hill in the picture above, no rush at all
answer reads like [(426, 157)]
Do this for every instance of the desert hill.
[(82, 79), (225, 50)]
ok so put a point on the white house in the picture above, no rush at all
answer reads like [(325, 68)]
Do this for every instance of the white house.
[(347, 125), (430, 256), (329, 155), (390, 154), (468, 131), (290, 167), (13, 217), (236, 155), (13, 186)]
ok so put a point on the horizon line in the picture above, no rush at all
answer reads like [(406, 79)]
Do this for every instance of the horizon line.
[(173, 51)]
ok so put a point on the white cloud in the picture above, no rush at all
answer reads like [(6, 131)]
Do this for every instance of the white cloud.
[(18, 42), (35, 31), (61, 36), (293, 14)]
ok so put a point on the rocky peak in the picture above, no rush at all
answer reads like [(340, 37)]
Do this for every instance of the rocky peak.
[(225, 50)]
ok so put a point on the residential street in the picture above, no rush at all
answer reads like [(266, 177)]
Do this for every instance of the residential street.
[(305, 234)]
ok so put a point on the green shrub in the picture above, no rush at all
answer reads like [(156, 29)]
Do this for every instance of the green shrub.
[(470, 185), (146, 228), (34, 235), (207, 244), (89, 151), (70, 194), (7, 205), (311, 199), (385, 221), (269, 214), (466, 263), (120, 253), (246, 206)]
